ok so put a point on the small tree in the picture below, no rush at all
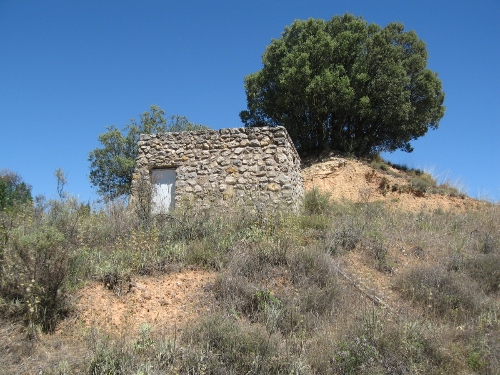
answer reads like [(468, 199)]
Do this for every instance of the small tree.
[(13, 190), (345, 85), (112, 166)]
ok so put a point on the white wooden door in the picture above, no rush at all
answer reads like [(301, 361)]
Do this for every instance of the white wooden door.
[(163, 181)]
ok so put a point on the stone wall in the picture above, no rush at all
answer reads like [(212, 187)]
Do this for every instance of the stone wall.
[(243, 165)]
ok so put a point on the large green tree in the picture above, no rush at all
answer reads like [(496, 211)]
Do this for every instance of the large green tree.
[(346, 85), (112, 165)]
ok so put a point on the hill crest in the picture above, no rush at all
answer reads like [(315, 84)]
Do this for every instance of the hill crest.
[(354, 180)]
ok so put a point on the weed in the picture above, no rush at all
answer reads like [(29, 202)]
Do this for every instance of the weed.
[(376, 247), (316, 202), (240, 349), (109, 359), (422, 183), (346, 236), (485, 269), (442, 291), (384, 185), (378, 162)]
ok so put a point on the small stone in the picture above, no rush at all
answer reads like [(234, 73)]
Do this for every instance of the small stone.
[(254, 143), (230, 180), (232, 169), (280, 158), (273, 187)]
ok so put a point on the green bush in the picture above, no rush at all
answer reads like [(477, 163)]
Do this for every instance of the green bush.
[(422, 183), (35, 272), (316, 202)]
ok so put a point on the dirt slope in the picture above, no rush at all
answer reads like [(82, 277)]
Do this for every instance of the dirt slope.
[(356, 181), (168, 301)]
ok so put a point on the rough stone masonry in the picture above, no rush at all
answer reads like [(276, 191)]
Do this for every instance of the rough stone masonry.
[(238, 165)]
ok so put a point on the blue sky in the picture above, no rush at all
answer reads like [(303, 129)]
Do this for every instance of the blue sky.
[(69, 68)]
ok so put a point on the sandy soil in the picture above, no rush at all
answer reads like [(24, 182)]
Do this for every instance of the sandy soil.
[(355, 181), (167, 302)]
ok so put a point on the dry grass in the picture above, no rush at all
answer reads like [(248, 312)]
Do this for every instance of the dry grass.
[(286, 299)]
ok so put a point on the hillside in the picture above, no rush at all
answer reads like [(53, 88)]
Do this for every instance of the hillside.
[(340, 178), (357, 181), (325, 291)]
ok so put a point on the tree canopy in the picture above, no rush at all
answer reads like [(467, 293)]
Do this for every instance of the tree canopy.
[(345, 85), (13, 190), (112, 166)]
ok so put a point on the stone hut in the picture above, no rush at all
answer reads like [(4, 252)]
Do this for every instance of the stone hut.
[(239, 165)]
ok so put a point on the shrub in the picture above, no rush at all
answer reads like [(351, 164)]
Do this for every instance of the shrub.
[(379, 163), (386, 348), (146, 354), (313, 264), (241, 286), (34, 272), (204, 253), (422, 183), (314, 273), (345, 236), (444, 291), (109, 359), (485, 241), (316, 202), (485, 269), (376, 248), (316, 225), (237, 348), (374, 344), (190, 225), (104, 226)]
